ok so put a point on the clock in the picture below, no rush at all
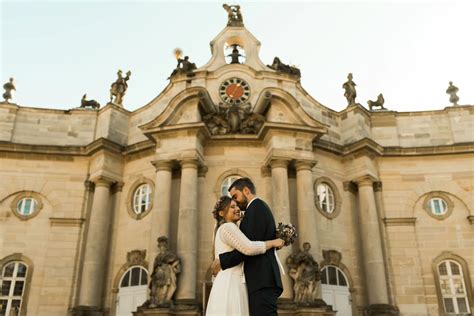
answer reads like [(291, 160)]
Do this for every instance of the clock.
[(234, 91)]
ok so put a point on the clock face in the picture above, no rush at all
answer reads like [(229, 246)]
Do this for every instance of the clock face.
[(234, 91)]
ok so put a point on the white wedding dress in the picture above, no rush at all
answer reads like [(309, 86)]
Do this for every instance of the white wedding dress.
[(228, 296)]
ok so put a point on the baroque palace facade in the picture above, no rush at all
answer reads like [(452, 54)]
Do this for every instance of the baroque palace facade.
[(384, 198)]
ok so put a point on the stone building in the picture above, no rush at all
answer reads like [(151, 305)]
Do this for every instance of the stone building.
[(85, 193)]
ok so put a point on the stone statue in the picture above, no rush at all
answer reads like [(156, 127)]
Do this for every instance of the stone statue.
[(234, 17), (235, 55), (233, 119), (163, 281), (184, 67), (305, 272), (379, 103), (281, 67), (9, 86), (452, 91), (89, 103), (351, 92), (119, 87)]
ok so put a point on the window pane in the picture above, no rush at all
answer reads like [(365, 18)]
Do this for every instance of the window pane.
[(442, 269), (324, 279), (445, 288), (16, 303), (6, 287), (462, 306), (3, 307), (342, 279), (8, 272), (125, 280), (455, 269), (448, 305), (144, 280), (135, 276), (458, 286), (332, 276), (18, 291), (21, 273)]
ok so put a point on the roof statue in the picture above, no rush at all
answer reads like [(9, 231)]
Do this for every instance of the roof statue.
[(351, 92), (184, 66), (452, 91), (119, 87), (233, 15), (93, 104), (284, 68), (9, 86), (379, 103)]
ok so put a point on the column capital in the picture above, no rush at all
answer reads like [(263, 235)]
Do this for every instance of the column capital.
[(279, 163), (304, 165), (378, 186), (117, 187), (189, 163), (266, 171), (102, 181), (163, 165), (350, 186), (366, 180), (202, 171)]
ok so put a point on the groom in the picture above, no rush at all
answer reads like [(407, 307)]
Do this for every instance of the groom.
[(262, 274)]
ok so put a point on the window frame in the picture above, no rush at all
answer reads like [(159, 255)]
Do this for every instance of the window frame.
[(131, 197), (335, 193), (26, 195), (438, 195), (19, 258), (464, 268), (129, 270)]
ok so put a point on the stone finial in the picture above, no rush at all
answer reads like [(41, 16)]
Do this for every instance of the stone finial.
[(234, 17), (452, 91), (119, 87), (350, 90), (9, 86)]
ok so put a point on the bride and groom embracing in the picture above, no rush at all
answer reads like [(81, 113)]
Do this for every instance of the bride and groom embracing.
[(250, 282)]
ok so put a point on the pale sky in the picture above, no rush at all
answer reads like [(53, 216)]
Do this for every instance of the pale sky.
[(409, 51)]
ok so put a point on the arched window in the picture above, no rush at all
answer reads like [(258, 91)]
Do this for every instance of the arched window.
[(227, 183), (335, 290), (142, 199), (12, 287), (453, 288), (132, 290), (326, 197)]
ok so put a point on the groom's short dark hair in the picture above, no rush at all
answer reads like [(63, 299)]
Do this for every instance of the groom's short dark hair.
[(241, 183)]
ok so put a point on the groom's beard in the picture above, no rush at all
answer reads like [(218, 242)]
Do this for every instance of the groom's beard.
[(243, 205)]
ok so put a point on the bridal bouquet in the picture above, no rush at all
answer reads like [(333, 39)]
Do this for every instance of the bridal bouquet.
[(287, 232)]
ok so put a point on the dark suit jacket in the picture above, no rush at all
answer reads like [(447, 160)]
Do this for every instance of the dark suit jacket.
[(261, 271)]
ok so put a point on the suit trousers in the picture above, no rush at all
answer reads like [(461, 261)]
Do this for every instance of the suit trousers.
[(263, 302)]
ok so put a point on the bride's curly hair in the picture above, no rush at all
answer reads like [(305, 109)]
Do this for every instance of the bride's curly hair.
[(222, 204)]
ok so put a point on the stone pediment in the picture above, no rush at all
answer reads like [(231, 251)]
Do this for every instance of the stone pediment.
[(275, 109)]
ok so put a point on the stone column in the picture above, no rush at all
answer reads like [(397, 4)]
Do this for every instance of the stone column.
[(376, 281), (93, 277), (281, 212), (160, 214), (188, 231), (266, 173)]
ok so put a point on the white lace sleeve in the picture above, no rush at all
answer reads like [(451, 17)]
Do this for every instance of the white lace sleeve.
[(231, 235)]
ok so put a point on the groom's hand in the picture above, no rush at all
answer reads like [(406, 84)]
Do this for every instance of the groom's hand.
[(216, 267)]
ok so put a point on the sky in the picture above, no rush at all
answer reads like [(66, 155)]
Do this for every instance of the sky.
[(408, 50)]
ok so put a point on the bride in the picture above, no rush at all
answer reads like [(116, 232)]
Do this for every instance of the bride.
[(228, 296)]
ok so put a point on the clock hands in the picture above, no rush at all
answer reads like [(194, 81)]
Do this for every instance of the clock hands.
[(235, 89)]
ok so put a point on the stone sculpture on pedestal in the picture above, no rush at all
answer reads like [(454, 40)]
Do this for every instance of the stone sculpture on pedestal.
[(452, 91), (119, 87), (379, 103), (9, 86), (350, 90)]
